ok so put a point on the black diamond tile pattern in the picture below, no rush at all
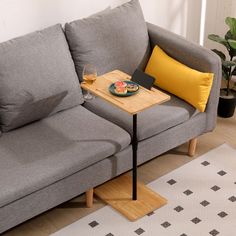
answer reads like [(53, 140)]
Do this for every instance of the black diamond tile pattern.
[(188, 192), (171, 182), (178, 208), (232, 199), (222, 214), (205, 203), (166, 224), (215, 188), (93, 224), (205, 163), (221, 173), (214, 232), (196, 220), (139, 231)]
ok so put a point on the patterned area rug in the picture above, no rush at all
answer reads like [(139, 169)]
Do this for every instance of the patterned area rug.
[(201, 202)]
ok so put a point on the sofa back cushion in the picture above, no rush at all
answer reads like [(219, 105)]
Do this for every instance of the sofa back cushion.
[(36, 70), (115, 39)]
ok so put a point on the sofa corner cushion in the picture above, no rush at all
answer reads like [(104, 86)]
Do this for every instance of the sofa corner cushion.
[(117, 39), (33, 68), (191, 85), (39, 154)]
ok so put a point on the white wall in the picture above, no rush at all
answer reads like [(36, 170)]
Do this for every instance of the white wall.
[(18, 17), (217, 11)]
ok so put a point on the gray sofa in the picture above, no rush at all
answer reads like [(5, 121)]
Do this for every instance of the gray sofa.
[(54, 146)]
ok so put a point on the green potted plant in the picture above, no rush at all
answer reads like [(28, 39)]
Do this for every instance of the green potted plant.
[(227, 99)]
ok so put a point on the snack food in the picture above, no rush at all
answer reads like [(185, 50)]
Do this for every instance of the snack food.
[(132, 87), (121, 90), (120, 84)]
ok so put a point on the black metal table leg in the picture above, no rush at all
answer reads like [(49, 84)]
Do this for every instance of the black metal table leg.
[(135, 148)]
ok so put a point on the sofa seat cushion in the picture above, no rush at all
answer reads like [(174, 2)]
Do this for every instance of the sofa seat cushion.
[(114, 39), (46, 151), (34, 69), (151, 121)]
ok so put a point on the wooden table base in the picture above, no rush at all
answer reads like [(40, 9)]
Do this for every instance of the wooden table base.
[(117, 193)]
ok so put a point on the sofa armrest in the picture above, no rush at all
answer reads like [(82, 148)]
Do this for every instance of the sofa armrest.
[(194, 56)]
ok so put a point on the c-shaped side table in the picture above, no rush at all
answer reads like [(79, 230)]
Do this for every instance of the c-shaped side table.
[(115, 192)]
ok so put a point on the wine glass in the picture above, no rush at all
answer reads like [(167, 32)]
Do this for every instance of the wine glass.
[(89, 77)]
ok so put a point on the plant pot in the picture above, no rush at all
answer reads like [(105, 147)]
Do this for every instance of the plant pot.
[(226, 105)]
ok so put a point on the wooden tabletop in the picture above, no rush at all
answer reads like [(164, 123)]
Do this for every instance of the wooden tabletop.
[(134, 104)]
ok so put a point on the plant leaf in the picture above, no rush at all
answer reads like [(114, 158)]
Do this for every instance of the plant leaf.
[(228, 35), (232, 52), (219, 53), (234, 72), (219, 39), (232, 43), (225, 74), (231, 22), (228, 64), (225, 71)]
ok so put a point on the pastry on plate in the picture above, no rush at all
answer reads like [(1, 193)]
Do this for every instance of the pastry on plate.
[(132, 87), (120, 84), (121, 90)]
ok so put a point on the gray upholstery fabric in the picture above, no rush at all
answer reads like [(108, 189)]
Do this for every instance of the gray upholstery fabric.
[(43, 199), (151, 121), (53, 148), (35, 67), (71, 186), (117, 39), (25, 110), (171, 138), (194, 56)]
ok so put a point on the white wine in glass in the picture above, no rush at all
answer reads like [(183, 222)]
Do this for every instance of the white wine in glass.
[(89, 77)]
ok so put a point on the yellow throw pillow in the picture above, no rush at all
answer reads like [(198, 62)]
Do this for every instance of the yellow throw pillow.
[(191, 85)]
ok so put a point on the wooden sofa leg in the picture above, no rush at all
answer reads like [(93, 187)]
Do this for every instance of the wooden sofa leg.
[(192, 147), (89, 198)]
